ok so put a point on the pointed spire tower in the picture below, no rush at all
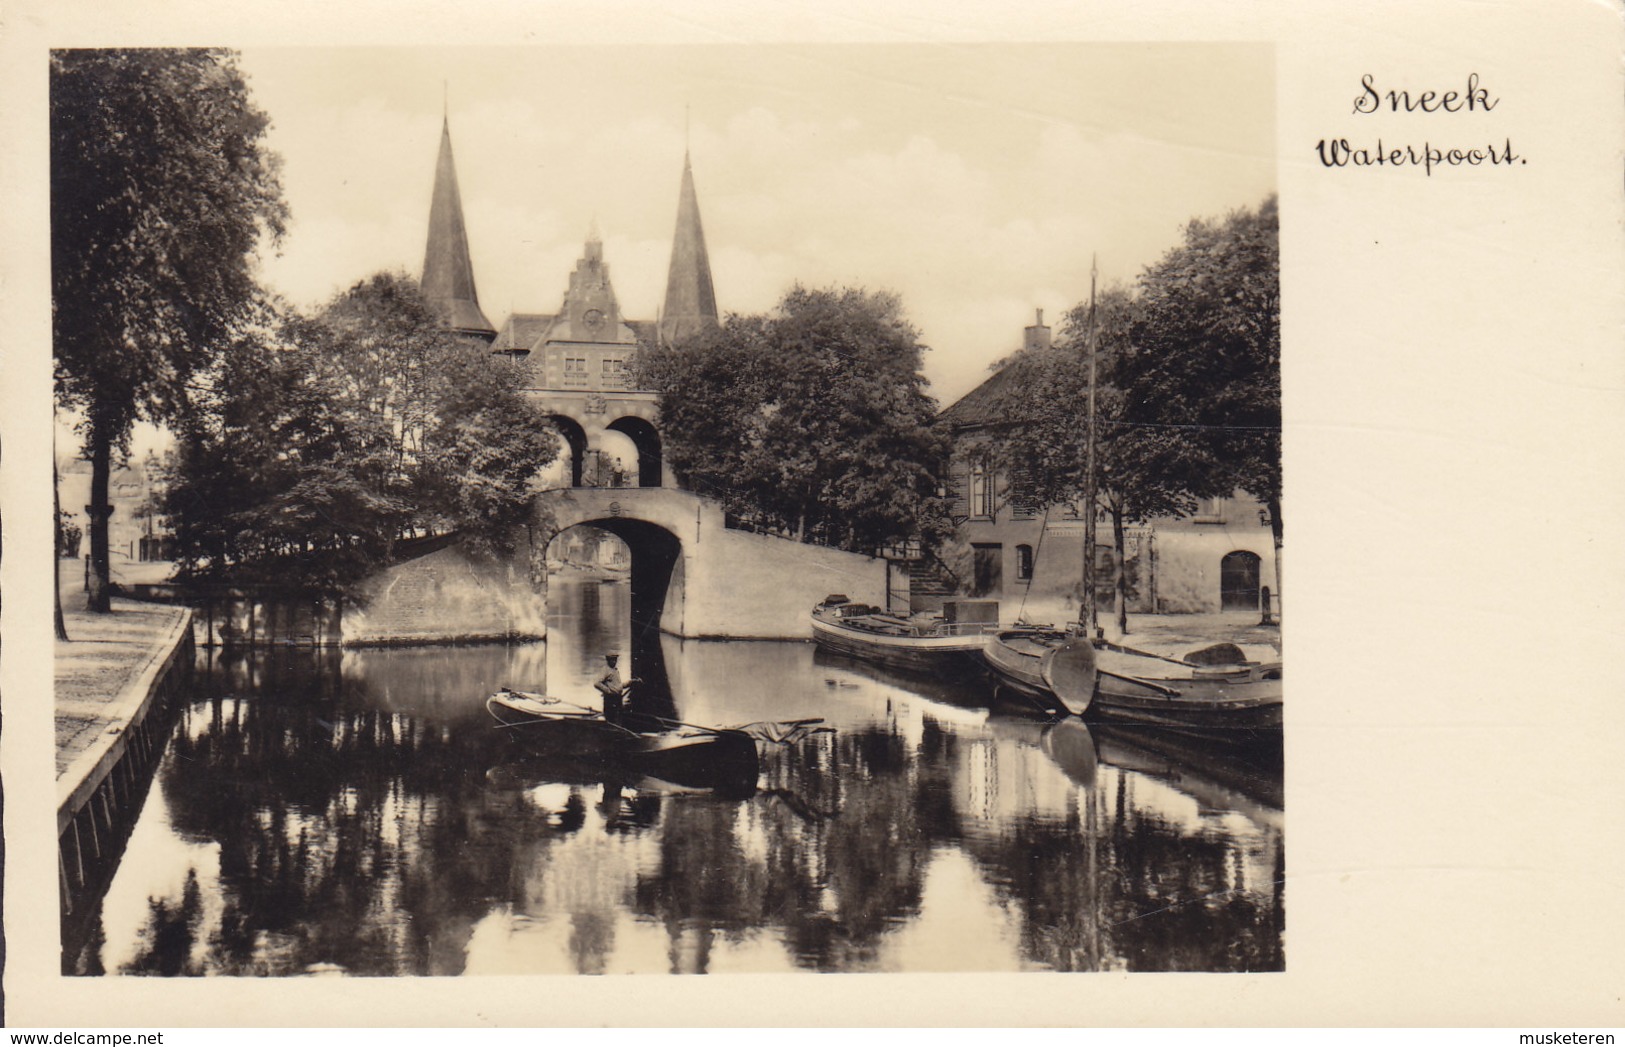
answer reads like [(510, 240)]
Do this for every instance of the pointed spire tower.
[(691, 301), (448, 275)]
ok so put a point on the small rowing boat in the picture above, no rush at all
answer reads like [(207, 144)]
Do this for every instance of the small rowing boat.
[(684, 754), (935, 645)]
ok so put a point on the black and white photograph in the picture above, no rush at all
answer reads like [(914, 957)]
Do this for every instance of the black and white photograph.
[(508, 505), (628, 510)]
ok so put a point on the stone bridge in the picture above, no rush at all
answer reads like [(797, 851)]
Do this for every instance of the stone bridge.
[(691, 577), (694, 577)]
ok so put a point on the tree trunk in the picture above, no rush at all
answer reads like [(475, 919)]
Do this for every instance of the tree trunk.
[(98, 599), (1275, 533), (1120, 576), (56, 552)]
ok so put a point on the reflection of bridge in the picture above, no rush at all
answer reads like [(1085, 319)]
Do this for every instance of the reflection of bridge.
[(692, 576)]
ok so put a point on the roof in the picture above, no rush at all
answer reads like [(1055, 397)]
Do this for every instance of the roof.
[(983, 405), (448, 274), (520, 332), (460, 314), (691, 299), (648, 331)]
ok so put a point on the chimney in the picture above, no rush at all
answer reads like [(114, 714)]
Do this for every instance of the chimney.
[(1037, 335)]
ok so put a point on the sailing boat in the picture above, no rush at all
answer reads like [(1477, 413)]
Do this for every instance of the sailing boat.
[(1055, 669), (1074, 670)]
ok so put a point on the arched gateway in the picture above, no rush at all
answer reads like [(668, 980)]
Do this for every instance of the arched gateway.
[(690, 575), (575, 365)]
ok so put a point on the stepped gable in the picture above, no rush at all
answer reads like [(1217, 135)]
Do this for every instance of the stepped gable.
[(590, 312), (691, 300), (448, 273)]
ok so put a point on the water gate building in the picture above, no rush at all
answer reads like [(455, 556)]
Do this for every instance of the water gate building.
[(574, 363)]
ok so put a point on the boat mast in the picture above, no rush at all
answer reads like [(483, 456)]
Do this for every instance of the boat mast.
[(1087, 615)]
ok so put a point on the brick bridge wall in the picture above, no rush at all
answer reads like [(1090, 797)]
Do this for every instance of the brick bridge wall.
[(447, 597), (724, 583)]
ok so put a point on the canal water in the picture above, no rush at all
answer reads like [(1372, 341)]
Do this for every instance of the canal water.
[(357, 813)]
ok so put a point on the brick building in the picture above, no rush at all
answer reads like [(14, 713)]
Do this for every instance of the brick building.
[(1030, 557)]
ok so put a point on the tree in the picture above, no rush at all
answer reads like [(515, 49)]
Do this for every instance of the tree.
[(811, 421), (460, 442), (1188, 388), (161, 190), (1141, 472), (317, 443), (272, 479), (1204, 354)]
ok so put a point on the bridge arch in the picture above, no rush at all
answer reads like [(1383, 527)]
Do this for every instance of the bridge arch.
[(646, 438), (655, 554), (694, 577), (575, 445)]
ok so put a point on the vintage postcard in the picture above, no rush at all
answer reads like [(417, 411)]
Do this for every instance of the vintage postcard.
[(535, 501)]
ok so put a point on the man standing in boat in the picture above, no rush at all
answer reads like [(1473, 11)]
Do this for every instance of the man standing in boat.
[(610, 686)]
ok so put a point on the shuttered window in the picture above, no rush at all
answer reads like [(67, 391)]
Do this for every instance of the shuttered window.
[(959, 494)]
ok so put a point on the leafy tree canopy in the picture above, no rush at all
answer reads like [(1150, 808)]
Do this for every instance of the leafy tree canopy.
[(322, 441), (1205, 349), (811, 421), (1187, 379), (161, 191), (1141, 472)]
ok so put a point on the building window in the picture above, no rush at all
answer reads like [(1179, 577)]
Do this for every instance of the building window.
[(1210, 511), (1024, 563), (981, 491)]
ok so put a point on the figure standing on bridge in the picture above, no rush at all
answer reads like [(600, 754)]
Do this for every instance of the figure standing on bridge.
[(617, 474), (610, 686)]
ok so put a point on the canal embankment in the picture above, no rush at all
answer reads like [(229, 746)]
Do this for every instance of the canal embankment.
[(113, 676), (1170, 635)]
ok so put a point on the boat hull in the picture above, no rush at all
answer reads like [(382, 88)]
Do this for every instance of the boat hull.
[(693, 757), (1052, 672), (546, 732), (942, 655), (1231, 697)]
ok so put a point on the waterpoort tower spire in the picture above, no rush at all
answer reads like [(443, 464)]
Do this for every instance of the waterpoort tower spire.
[(691, 301), (448, 274)]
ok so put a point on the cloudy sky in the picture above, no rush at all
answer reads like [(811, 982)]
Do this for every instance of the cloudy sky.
[(974, 180)]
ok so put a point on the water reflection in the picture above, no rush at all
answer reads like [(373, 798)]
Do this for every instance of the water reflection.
[(356, 813)]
